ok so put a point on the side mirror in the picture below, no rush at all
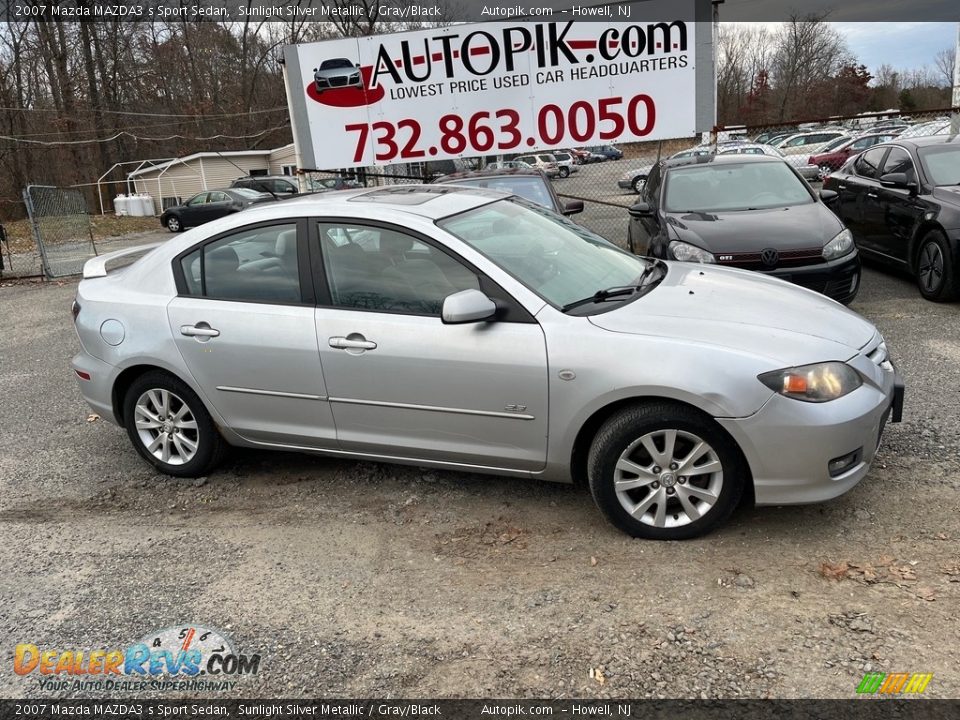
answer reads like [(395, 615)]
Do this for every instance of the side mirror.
[(828, 195), (573, 207), (897, 180), (641, 209), (466, 306)]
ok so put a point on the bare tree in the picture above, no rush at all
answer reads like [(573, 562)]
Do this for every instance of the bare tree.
[(944, 63)]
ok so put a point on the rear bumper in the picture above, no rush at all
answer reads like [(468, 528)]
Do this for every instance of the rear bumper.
[(98, 390)]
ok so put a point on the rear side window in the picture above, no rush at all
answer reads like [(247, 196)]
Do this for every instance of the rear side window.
[(868, 163), (253, 265)]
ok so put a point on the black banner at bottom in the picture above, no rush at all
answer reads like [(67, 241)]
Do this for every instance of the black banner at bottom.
[(858, 709)]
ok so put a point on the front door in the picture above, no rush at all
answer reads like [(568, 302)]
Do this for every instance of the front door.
[(245, 330), (902, 210), (404, 384)]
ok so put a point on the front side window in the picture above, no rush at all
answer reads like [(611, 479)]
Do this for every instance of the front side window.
[(197, 199), (557, 259), (899, 161), (254, 265), (381, 269)]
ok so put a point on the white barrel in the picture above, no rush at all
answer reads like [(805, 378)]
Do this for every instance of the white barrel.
[(148, 209), (121, 205), (136, 207)]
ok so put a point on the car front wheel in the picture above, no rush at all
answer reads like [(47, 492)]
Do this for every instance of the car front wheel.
[(170, 427), (564, 172), (937, 269), (638, 183), (664, 472), (173, 224)]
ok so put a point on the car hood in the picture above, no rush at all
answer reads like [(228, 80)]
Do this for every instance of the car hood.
[(949, 194), (744, 311), (799, 226)]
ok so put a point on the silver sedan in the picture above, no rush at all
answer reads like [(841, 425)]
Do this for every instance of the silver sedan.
[(466, 329)]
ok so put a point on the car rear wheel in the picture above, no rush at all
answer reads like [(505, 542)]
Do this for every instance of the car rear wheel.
[(664, 472), (173, 224), (564, 171), (170, 427), (638, 184), (824, 171), (937, 269)]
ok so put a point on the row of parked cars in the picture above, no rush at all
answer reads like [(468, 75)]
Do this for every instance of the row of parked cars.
[(242, 193)]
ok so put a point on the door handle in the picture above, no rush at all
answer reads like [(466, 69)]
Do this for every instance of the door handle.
[(352, 343), (200, 330), (871, 194), (841, 187)]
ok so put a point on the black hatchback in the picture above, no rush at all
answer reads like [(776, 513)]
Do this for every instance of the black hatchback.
[(901, 201), (745, 211)]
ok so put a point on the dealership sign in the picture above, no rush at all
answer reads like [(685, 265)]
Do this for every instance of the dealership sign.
[(490, 89)]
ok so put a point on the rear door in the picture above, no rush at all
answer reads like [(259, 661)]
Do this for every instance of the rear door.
[(243, 321), (858, 194)]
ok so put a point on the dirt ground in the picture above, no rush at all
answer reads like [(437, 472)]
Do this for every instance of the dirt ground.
[(357, 580)]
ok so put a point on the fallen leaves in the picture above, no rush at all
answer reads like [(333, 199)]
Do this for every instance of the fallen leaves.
[(887, 570), (597, 674)]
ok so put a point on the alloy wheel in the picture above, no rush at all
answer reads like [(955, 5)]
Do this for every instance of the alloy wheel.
[(668, 478), (166, 426), (930, 269), (173, 225)]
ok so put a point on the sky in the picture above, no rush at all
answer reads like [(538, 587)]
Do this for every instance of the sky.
[(902, 45)]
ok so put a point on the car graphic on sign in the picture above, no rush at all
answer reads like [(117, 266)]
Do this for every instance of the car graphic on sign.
[(337, 73)]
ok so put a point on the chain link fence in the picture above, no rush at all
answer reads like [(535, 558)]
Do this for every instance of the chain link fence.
[(608, 178), (60, 223)]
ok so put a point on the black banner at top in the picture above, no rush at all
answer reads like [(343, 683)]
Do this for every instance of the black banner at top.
[(415, 13)]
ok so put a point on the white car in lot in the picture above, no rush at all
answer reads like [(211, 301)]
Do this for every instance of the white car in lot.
[(461, 328), (541, 161)]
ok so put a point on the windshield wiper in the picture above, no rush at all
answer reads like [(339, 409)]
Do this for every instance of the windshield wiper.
[(601, 296)]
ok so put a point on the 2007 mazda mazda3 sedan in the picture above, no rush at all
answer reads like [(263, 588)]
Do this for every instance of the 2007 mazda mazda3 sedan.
[(466, 329)]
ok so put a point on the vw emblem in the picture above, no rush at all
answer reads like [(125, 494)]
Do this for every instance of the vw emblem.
[(769, 257)]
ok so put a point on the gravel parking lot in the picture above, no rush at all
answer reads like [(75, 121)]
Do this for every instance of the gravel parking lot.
[(357, 579)]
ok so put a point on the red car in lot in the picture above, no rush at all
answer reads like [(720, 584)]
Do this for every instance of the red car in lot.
[(837, 155)]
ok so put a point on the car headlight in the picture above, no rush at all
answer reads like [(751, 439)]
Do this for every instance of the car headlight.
[(816, 383), (690, 253), (841, 244)]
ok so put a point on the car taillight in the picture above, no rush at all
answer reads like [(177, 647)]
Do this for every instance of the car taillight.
[(75, 309)]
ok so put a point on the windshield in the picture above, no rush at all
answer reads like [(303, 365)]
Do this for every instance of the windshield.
[(554, 257), (942, 163), (734, 186), (336, 64), (529, 187)]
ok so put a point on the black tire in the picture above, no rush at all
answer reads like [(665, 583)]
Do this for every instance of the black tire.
[(626, 427), (174, 224), (564, 171), (210, 446), (937, 269), (639, 183)]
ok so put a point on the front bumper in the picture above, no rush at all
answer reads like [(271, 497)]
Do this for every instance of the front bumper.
[(788, 444), (837, 279)]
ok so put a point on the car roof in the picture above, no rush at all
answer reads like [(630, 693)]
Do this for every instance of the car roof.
[(731, 158), (467, 174), (427, 201), (925, 141)]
